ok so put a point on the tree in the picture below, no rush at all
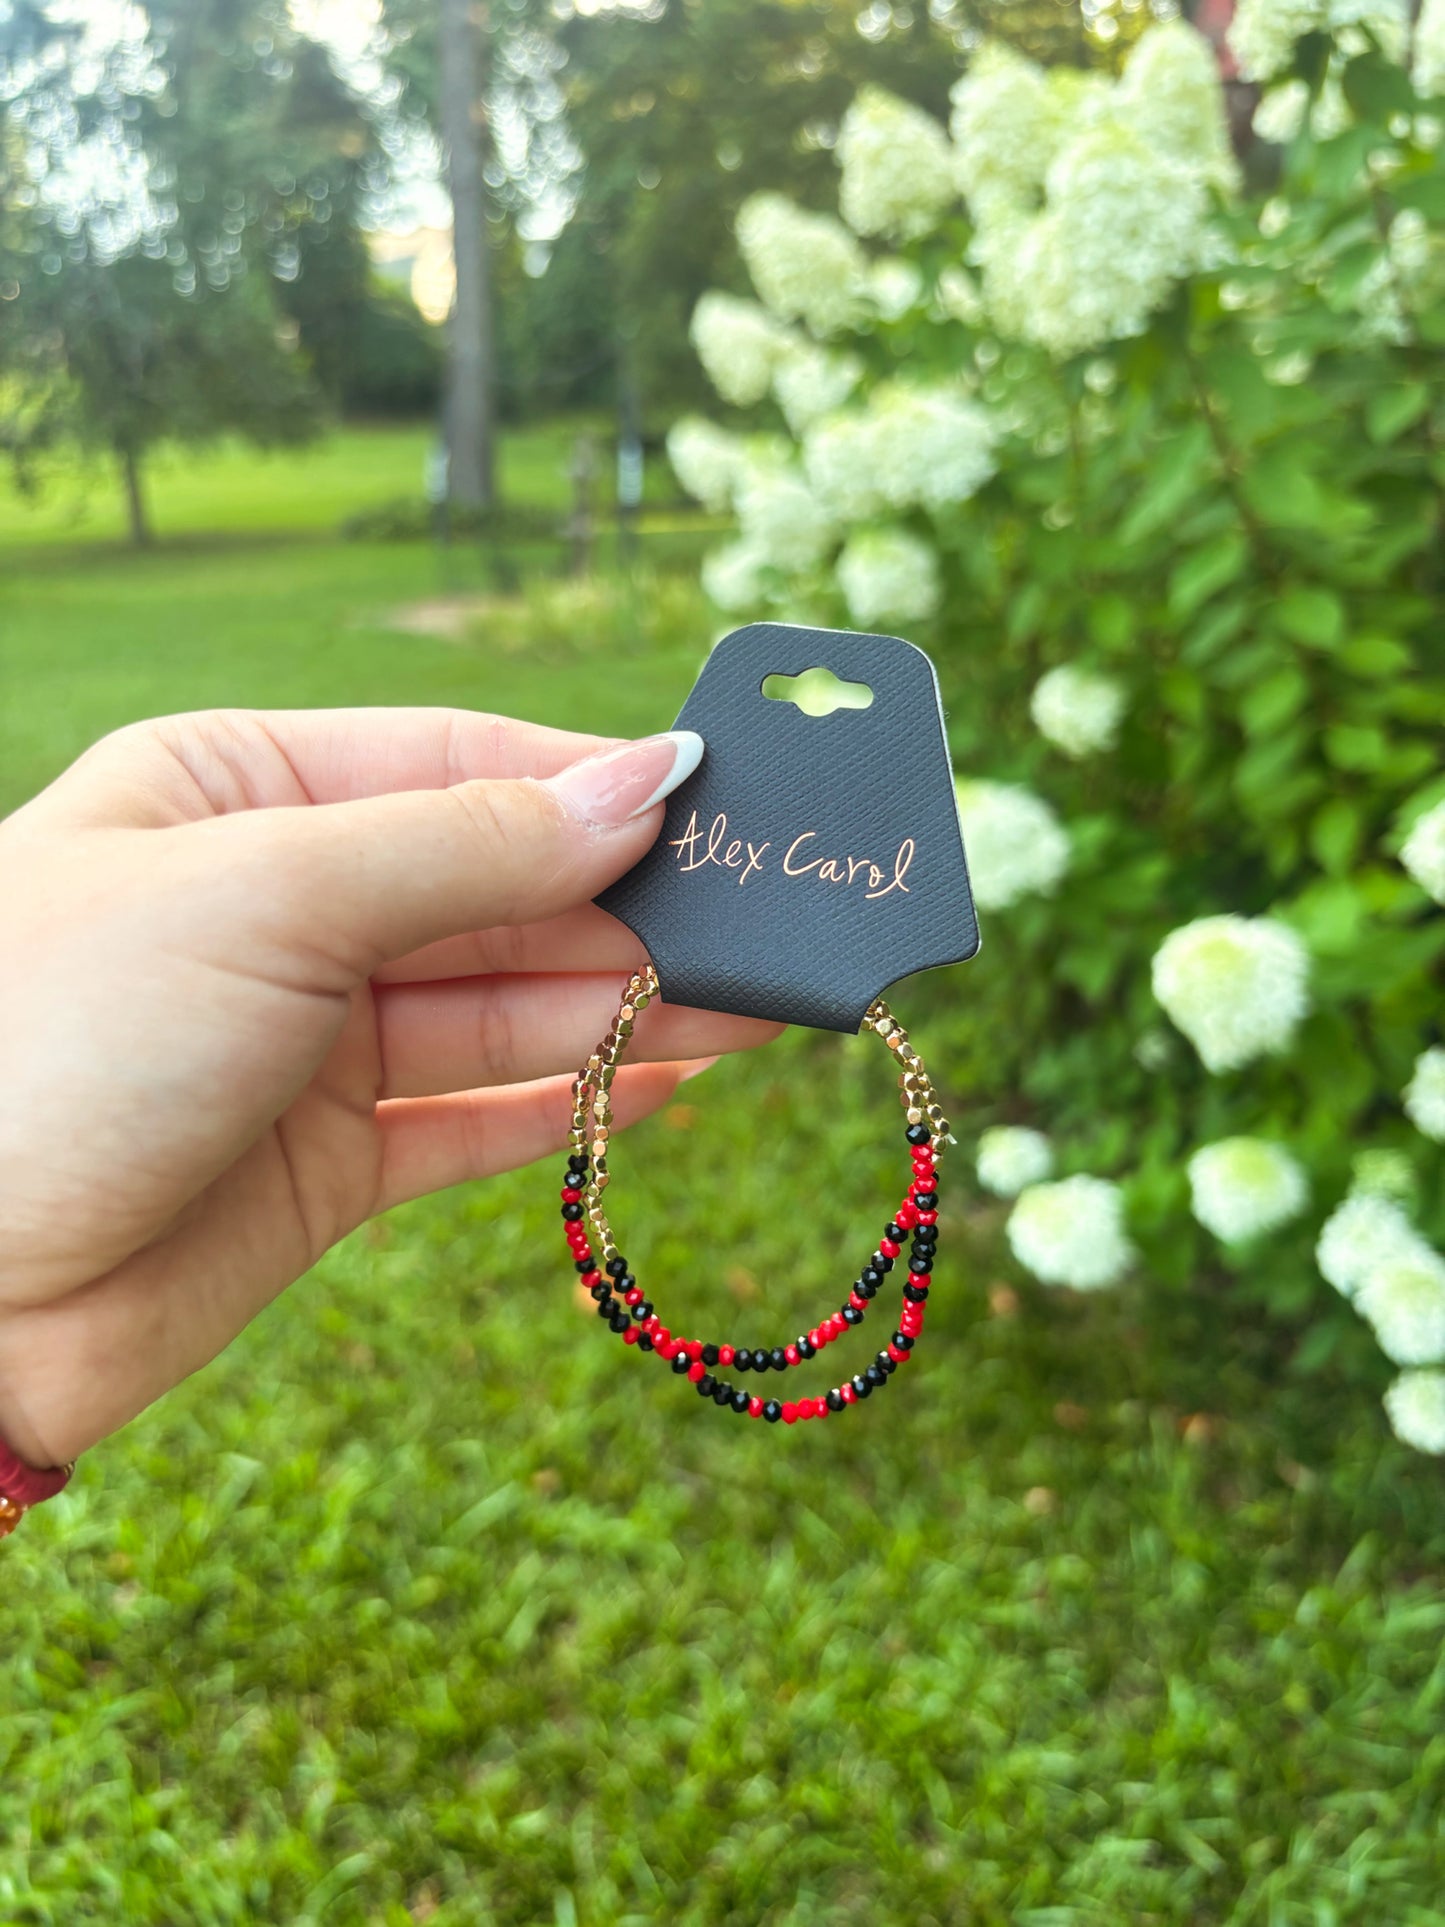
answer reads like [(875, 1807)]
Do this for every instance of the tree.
[(165, 193), (469, 406)]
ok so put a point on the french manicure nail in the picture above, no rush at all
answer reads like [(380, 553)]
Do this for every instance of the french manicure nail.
[(617, 785)]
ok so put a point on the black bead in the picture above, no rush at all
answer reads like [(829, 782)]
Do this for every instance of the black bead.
[(871, 1276), (577, 1161), (616, 1266), (762, 1361), (835, 1400), (572, 1180), (709, 1354), (926, 1200), (599, 1291), (619, 1320), (772, 1411), (705, 1385), (778, 1358), (886, 1364), (925, 1242), (881, 1262), (865, 1290), (894, 1233), (645, 1344), (585, 1264), (722, 1393), (861, 1386), (805, 1345), (680, 1363), (875, 1378), (903, 1341), (743, 1359), (852, 1315), (625, 1282), (918, 1134), (605, 1302), (920, 1266), (643, 1311), (916, 1294), (571, 1212), (740, 1400)]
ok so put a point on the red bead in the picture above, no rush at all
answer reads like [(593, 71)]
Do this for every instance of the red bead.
[(897, 1356), (816, 1338), (697, 1371), (630, 1336), (889, 1248), (569, 1196), (835, 1326), (790, 1414), (725, 1354), (591, 1278), (913, 1327), (922, 1169), (928, 1217), (693, 1348), (908, 1214), (792, 1354), (660, 1334), (633, 1297), (755, 1408), (848, 1395), (666, 1350), (858, 1304)]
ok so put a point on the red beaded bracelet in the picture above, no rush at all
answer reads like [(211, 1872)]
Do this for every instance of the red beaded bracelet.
[(631, 1314), (22, 1486)]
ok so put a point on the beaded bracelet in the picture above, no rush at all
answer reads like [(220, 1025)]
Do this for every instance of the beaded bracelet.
[(623, 1305), (22, 1486)]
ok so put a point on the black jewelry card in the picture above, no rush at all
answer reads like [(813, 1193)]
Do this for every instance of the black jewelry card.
[(810, 861)]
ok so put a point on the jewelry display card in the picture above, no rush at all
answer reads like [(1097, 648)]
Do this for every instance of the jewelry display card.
[(811, 860)]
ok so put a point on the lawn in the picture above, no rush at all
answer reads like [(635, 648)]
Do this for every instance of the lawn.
[(425, 1604)]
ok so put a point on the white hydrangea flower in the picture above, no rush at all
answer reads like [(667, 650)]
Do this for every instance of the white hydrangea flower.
[(1236, 986), (930, 446), (1005, 125), (897, 166), (782, 520), (838, 462), (959, 298), (1387, 20), (1428, 67), (888, 575), (1016, 846), (894, 286), (1415, 1407), (1280, 115), (810, 382), (1011, 1157), (707, 460), (738, 346), (1242, 1187), (1072, 1233), (1263, 33), (806, 267), (1423, 854), (1078, 711), (1425, 1095), (1404, 1301), (1360, 1236), (735, 577), (1171, 92)]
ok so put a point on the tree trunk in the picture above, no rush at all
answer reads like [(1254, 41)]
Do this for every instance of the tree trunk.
[(469, 338), (140, 528)]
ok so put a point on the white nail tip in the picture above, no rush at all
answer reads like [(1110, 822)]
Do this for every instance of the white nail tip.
[(687, 749)]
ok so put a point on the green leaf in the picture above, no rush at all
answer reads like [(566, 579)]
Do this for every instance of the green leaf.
[(1390, 411), (1362, 747), (1375, 657), (1275, 700), (1204, 573), (1336, 830), (1174, 472), (1315, 617)]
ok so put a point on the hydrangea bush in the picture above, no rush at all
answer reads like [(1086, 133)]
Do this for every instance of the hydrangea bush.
[(1152, 461)]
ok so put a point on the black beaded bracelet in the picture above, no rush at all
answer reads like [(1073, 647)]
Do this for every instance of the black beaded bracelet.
[(623, 1305)]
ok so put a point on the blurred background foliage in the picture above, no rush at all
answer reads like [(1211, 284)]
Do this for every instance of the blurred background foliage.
[(419, 1605)]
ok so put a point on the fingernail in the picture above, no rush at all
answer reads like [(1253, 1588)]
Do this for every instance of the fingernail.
[(696, 1069), (616, 785)]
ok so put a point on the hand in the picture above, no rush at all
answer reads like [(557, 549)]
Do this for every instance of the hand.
[(265, 975)]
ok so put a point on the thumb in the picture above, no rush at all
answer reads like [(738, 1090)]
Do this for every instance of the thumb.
[(387, 874)]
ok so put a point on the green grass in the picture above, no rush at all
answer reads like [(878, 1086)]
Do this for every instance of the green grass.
[(427, 1602)]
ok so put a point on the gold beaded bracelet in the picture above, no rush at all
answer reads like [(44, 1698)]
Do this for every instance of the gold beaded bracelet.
[(629, 1313)]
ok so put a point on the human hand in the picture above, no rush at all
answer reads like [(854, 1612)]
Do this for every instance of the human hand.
[(266, 975)]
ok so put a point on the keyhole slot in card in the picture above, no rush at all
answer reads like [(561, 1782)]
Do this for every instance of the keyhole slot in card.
[(817, 692)]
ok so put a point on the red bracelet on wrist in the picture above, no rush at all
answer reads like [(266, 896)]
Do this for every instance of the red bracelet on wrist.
[(22, 1486)]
